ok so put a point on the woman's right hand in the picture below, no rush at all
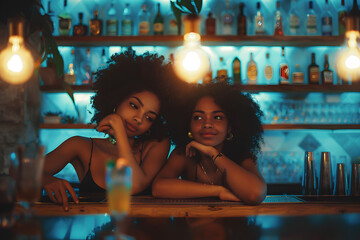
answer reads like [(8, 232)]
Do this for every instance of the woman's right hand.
[(56, 190), (226, 195)]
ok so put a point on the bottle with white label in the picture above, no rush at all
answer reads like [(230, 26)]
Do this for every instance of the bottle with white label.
[(311, 20), (259, 21), (144, 21), (298, 75), (251, 71), (326, 21), (227, 20), (268, 70), (284, 68), (294, 20), (112, 23), (158, 22), (127, 23)]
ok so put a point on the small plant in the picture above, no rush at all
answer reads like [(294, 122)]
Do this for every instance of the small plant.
[(189, 7), (69, 119), (50, 113)]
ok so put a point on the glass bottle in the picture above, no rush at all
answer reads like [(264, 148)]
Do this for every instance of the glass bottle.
[(80, 29), (127, 22), (311, 20), (171, 25), (95, 25), (327, 74), (284, 68), (210, 24), (103, 59), (64, 21), (227, 20), (208, 76), (298, 75), (251, 71), (326, 21), (158, 22), (86, 74), (313, 71), (236, 67), (241, 21), (259, 21), (278, 21), (144, 21), (70, 72), (342, 15), (294, 19), (112, 23), (268, 70), (222, 74)]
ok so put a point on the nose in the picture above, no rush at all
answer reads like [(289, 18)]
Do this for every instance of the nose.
[(208, 123), (138, 118)]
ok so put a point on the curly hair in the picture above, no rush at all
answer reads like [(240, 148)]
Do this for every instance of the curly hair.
[(244, 116), (127, 73)]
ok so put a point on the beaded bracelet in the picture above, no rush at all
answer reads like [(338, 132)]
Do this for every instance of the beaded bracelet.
[(219, 155)]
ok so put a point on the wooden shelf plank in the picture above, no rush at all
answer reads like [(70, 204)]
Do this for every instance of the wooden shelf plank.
[(174, 41), (67, 126)]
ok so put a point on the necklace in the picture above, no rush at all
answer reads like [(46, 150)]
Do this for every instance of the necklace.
[(112, 140), (207, 176)]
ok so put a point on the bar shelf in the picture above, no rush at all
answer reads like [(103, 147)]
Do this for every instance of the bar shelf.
[(67, 126), (218, 40)]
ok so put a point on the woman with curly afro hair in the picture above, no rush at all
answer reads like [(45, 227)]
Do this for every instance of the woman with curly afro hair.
[(217, 148), (131, 94)]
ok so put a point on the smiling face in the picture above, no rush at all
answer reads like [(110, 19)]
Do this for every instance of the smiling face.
[(209, 124), (138, 112)]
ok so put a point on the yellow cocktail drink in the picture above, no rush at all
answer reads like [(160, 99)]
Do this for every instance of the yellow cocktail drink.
[(119, 198)]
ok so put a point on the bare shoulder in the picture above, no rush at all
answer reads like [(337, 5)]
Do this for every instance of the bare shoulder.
[(157, 145)]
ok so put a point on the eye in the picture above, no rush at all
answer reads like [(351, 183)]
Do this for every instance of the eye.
[(133, 105), (149, 118), (218, 117), (197, 117)]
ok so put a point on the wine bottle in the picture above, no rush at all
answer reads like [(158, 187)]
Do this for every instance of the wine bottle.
[(158, 22), (241, 21), (313, 71), (342, 15)]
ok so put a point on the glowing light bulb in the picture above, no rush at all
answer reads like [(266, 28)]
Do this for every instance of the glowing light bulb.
[(16, 61), (191, 62), (348, 59)]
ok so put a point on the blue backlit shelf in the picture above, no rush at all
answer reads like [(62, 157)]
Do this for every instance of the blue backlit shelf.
[(174, 41), (245, 88), (265, 126)]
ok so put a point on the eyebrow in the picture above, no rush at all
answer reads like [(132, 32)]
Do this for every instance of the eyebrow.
[(141, 103), (198, 111)]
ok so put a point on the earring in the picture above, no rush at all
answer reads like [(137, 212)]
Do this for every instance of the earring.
[(190, 135), (229, 136), (114, 110)]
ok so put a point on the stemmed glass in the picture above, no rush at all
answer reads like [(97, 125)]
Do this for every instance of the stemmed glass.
[(118, 185), (29, 175)]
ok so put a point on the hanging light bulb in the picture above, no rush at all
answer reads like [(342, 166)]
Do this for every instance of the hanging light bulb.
[(16, 61), (191, 61), (348, 58)]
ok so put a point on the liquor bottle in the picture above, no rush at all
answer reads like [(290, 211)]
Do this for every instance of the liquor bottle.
[(70, 72), (171, 25), (326, 21), (236, 67), (298, 75), (112, 23), (313, 71), (342, 15), (241, 21), (144, 21), (208, 76), (268, 70), (227, 20), (294, 19), (355, 14), (210, 24), (95, 25), (311, 20), (259, 21), (278, 21), (222, 74), (80, 29), (251, 71), (284, 68), (103, 59), (327, 74), (86, 74), (127, 23), (64, 21), (158, 22)]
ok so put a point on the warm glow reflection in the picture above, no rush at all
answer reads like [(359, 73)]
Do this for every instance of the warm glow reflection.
[(191, 62), (16, 62), (348, 60)]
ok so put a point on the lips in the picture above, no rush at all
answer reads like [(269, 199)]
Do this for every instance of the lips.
[(207, 134), (130, 127)]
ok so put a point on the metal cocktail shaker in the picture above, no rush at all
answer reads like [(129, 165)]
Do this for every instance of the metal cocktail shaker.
[(341, 180), (355, 182), (326, 178), (309, 179)]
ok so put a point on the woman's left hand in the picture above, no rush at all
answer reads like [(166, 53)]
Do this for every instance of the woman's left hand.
[(194, 145), (110, 124)]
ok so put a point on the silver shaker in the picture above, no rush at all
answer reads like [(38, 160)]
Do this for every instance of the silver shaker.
[(341, 180), (326, 178), (309, 179), (355, 184)]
